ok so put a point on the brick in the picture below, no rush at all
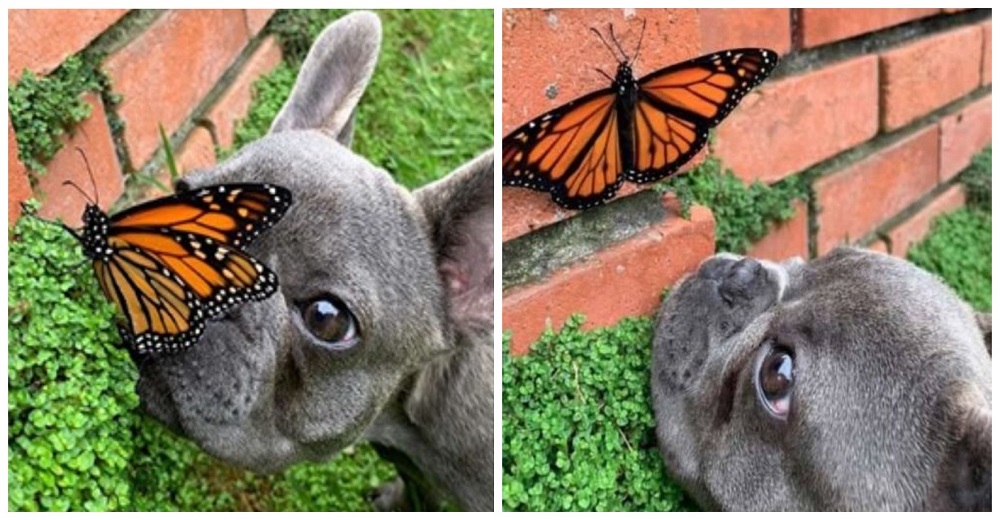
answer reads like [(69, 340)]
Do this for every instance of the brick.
[(964, 134), (628, 277), (786, 126), (732, 28), (987, 53), (525, 211), (787, 239), (857, 199), (555, 50), (197, 152), (41, 39), (821, 26), (928, 74), (257, 19), (94, 138), (903, 236), (165, 72), (18, 187), (232, 106)]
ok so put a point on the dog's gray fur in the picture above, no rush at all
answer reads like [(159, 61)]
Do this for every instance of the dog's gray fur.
[(891, 403), (259, 391)]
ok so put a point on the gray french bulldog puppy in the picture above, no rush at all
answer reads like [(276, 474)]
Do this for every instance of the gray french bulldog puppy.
[(382, 328), (856, 381)]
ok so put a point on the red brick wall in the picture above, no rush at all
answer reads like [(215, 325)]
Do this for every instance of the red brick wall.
[(883, 108), (164, 70)]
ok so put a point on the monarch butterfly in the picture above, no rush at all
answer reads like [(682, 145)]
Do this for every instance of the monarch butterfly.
[(170, 264), (635, 130)]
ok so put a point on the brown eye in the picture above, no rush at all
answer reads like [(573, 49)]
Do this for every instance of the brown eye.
[(774, 381), (329, 321)]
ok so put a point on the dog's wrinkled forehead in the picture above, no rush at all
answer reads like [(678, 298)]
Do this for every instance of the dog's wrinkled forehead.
[(308, 162), (860, 280), (346, 216)]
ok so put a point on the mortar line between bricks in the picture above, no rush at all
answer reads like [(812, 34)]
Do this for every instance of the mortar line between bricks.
[(882, 141), (131, 25), (795, 29), (124, 31), (134, 183), (812, 218), (816, 58), (571, 240), (865, 150), (883, 230)]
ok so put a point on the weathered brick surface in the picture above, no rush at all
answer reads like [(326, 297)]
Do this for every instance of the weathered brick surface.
[(855, 200), (18, 187), (922, 76), (93, 137), (964, 134), (733, 28), (165, 72), (257, 19), (785, 126), (40, 39), (554, 51), (526, 210), (913, 229), (988, 53), (625, 279), (786, 240), (232, 106), (821, 26), (781, 128)]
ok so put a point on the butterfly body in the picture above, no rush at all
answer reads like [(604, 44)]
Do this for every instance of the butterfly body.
[(627, 95), (639, 130), (172, 263)]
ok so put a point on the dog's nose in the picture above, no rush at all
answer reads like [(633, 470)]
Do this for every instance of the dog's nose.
[(738, 280), (716, 267)]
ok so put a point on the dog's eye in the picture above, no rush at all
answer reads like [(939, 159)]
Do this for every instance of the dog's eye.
[(329, 321), (774, 380)]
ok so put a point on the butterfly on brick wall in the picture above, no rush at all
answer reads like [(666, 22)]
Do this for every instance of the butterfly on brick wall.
[(172, 263), (636, 130)]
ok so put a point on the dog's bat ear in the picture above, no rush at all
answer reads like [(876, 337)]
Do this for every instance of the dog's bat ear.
[(965, 479), (459, 209), (985, 322), (333, 77)]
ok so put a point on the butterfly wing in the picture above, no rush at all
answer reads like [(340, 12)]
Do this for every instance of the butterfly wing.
[(232, 214), (678, 105), (573, 152), (161, 313), (177, 261)]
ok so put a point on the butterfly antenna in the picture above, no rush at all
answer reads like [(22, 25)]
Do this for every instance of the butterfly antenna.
[(93, 183), (611, 29), (73, 184), (639, 46), (605, 42)]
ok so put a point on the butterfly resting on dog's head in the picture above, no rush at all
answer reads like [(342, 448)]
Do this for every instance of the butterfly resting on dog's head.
[(636, 130), (172, 263)]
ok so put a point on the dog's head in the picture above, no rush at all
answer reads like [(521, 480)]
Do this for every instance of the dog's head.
[(374, 281), (856, 381)]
